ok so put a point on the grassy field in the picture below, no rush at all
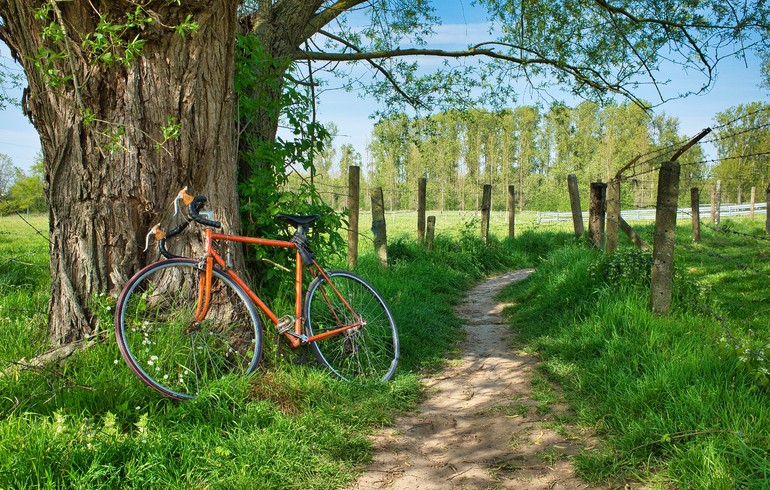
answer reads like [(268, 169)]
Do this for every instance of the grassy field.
[(454, 223), (681, 401), (678, 401), (90, 423)]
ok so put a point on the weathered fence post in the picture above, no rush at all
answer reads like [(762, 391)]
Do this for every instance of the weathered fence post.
[(613, 215), (718, 208), (486, 209), (596, 211), (767, 211), (695, 204), (511, 211), (430, 232), (354, 182), (574, 200), (713, 204), (753, 203), (665, 235), (422, 185), (633, 235), (622, 224), (662, 281), (378, 226)]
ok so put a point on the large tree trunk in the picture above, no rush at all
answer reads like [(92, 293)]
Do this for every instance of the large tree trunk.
[(101, 201)]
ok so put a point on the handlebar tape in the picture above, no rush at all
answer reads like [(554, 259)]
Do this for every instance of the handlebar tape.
[(195, 206)]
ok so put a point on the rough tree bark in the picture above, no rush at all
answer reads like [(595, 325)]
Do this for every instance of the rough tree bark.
[(101, 202)]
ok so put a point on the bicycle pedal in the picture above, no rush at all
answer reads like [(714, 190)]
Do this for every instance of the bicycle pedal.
[(285, 324)]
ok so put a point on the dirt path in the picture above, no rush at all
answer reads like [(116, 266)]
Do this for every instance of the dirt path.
[(480, 427)]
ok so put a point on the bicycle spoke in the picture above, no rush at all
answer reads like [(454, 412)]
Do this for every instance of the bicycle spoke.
[(367, 351), (171, 352)]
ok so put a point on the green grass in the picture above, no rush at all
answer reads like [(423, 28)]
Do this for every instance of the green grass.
[(671, 398), (90, 423), (675, 407)]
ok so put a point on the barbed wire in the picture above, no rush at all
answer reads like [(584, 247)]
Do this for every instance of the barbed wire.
[(726, 230), (18, 257), (737, 262), (701, 162), (652, 156), (721, 137), (33, 227), (325, 185), (742, 116)]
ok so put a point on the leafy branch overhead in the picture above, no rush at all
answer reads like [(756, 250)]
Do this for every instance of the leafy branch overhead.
[(593, 48)]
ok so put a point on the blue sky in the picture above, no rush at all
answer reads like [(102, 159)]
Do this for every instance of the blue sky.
[(463, 24)]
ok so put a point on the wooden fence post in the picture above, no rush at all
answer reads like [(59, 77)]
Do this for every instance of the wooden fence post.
[(422, 184), (767, 211), (713, 204), (354, 183), (378, 226), (613, 215), (511, 211), (486, 209), (695, 204), (665, 235), (622, 224), (430, 232), (753, 203), (596, 210), (718, 208), (574, 199), (633, 235)]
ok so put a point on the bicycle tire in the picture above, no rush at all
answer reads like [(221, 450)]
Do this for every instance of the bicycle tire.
[(369, 352), (166, 348)]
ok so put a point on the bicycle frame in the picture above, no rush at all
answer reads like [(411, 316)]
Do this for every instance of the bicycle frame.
[(295, 338)]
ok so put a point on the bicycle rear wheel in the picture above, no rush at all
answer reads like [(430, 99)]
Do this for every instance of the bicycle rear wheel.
[(163, 344), (366, 352)]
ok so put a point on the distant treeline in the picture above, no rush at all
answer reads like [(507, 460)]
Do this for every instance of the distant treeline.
[(534, 150)]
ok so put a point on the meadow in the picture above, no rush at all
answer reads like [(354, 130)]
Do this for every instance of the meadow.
[(677, 402)]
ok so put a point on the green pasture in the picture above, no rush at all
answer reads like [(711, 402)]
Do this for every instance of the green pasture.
[(679, 401)]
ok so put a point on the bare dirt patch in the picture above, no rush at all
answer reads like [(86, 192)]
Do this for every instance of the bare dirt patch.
[(484, 424)]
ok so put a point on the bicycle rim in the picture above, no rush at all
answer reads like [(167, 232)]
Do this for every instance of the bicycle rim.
[(368, 352), (161, 342)]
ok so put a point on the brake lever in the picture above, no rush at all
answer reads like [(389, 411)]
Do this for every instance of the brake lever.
[(157, 231), (184, 197)]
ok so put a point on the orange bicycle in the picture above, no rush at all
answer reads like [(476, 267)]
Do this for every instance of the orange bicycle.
[(182, 323)]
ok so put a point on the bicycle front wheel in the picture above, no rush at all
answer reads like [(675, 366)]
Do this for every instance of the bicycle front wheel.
[(367, 351), (163, 344)]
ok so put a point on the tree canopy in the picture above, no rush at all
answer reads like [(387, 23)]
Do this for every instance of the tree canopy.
[(593, 48)]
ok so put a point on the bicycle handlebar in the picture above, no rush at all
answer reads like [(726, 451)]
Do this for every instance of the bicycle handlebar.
[(195, 206)]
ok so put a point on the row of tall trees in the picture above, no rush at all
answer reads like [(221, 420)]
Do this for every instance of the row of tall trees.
[(743, 149), (527, 147)]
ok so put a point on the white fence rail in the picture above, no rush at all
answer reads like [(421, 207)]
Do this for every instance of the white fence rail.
[(725, 210)]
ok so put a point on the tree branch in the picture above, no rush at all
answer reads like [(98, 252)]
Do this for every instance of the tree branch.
[(583, 75), (329, 14), (411, 100)]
